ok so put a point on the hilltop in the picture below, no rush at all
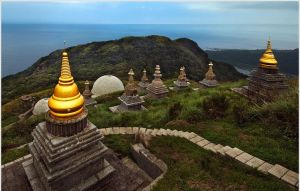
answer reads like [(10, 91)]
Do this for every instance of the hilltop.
[(116, 57)]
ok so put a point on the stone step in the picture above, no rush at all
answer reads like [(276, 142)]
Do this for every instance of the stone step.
[(223, 150), (210, 147), (291, 177), (203, 143), (264, 168), (244, 157), (278, 170), (135, 168), (233, 152), (154, 132), (196, 139), (217, 147), (255, 162)]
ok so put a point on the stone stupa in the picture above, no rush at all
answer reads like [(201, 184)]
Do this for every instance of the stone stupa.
[(87, 94), (265, 82), (157, 89), (210, 77), (67, 150), (182, 81), (130, 100), (144, 83)]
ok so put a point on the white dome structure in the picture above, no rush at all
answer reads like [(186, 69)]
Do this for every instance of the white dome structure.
[(41, 107), (107, 84)]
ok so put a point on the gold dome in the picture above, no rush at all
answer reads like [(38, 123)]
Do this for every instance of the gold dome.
[(66, 101), (268, 59)]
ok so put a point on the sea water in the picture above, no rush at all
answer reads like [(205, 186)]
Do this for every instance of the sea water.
[(24, 44)]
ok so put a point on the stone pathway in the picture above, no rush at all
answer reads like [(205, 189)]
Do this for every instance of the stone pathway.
[(276, 170)]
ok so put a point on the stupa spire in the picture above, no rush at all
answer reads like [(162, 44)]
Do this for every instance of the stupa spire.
[(210, 75), (182, 81), (144, 77), (268, 60), (130, 88), (66, 101), (182, 75)]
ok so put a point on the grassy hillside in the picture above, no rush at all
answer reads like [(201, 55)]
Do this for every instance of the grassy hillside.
[(269, 132), (90, 61), (192, 168), (248, 59)]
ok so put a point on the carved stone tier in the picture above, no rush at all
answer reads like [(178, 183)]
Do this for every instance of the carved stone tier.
[(209, 83), (157, 91), (143, 85), (68, 163), (265, 84), (133, 103), (181, 84), (66, 128)]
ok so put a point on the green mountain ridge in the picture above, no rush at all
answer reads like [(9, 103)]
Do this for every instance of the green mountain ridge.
[(116, 57)]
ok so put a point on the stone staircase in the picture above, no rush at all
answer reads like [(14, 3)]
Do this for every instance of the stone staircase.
[(276, 170)]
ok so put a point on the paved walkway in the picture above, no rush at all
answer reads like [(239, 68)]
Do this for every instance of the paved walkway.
[(276, 170)]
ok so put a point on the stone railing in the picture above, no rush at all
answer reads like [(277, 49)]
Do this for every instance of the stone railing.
[(276, 170), (153, 166)]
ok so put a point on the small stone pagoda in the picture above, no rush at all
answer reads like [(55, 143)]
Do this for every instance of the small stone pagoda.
[(157, 89), (182, 81), (265, 82), (130, 100), (210, 77), (143, 84), (87, 94), (67, 150)]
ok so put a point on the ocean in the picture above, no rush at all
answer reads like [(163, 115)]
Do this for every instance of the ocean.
[(23, 44)]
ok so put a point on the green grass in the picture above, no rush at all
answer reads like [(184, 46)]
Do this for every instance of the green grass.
[(193, 168), (9, 120), (263, 136), (265, 141), (13, 154)]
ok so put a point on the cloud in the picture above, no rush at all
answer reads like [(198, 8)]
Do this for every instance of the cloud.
[(242, 6)]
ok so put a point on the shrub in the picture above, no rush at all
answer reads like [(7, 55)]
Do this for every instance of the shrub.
[(243, 112), (177, 123), (192, 114), (174, 111), (108, 97), (215, 106)]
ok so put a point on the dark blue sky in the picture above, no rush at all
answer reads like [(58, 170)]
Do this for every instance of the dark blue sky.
[(90, 12)]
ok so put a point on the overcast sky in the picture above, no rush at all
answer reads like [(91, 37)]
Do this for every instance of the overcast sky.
[(89, 12)]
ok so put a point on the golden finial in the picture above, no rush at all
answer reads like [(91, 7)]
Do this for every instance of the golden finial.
[(268, 59), (66, 101)]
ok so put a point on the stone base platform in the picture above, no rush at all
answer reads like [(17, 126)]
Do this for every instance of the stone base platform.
[(67, 163), (103, 175), (245, 92), (89, 101), (208, 83), (117, 109), (123, 179), (157, 91)]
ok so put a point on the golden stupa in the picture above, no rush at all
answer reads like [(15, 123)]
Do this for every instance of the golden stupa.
[(268, 59), (66, 101)]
